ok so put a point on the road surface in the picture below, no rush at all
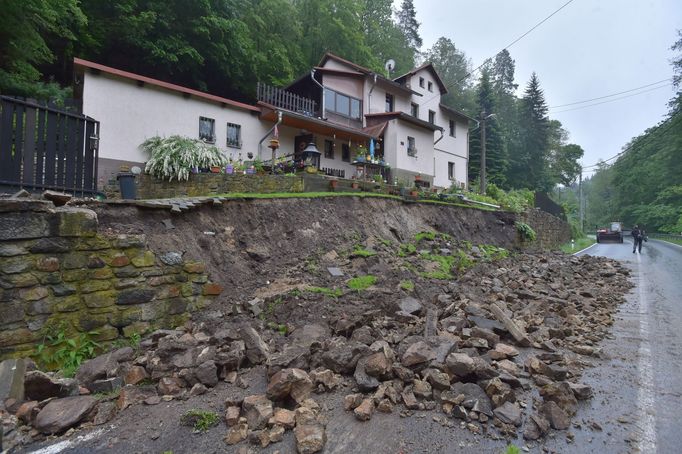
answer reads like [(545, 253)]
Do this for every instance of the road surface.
[(644, 388)]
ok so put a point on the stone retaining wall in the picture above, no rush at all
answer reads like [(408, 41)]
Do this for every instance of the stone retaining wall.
[(56, 269), (551, 231)]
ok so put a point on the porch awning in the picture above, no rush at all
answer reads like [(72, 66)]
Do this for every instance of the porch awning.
[(317, 125)]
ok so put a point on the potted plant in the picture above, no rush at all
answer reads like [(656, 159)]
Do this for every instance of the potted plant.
[(418, 177), (175, 157), (333, 184), (215, 169), (355, 185)]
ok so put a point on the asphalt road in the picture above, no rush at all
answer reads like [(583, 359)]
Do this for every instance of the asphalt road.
[(645, 352)]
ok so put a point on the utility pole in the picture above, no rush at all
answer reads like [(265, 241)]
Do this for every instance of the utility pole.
[(483, 165), (580, 191)]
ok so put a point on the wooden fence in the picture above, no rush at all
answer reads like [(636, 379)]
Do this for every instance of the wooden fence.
[(47, 148)]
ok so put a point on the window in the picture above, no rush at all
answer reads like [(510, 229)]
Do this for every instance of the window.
[(329, 149), (453, 129), (421, 82), (430, 86), (345, 152), (389, 102), (414, 110), (234, 135), (207, 129), (411, 146), (432, 116), (341, 104), (451, 170)]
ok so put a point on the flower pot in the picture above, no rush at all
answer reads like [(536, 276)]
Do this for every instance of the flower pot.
[(354, 185), (229, 169), (333, 184), (215, 169)]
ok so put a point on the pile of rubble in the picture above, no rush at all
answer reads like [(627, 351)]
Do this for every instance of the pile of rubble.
[(499, 350)]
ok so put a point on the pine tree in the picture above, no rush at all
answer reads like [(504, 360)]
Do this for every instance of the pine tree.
[(454, 67), (407, 22)]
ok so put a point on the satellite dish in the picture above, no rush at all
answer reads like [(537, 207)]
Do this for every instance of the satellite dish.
[(136, 170), (390, 65)]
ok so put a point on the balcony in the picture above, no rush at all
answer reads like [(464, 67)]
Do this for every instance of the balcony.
[(286, 100)]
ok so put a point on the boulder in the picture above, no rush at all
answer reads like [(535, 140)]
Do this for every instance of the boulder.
[(365, 410), (257, 350), (170, 386), (460, 364), (62, 414), (232, 415), (536, 427), (294, 383), (418, 354), (134, 375), (557, 417), (474, 397), (378, 365), (410, 305), (207, 373), (40, 386), (257, 410), (284, 418), (237, 433), (562, 394), (509, 413), (366, 383), (310, 438), (130, 395), (103, 366)]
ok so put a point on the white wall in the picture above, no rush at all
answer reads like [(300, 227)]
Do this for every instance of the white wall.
[(423, 161), (130, 114)]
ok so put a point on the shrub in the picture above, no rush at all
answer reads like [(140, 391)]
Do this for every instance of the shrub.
[(59, 352), (526, 231), (175, 156), (201, 421), (361, 282)]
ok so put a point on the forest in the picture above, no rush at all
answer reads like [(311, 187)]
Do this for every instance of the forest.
[(224, 46)]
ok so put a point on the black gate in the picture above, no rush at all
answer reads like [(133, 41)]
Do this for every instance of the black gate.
[(47, 148)]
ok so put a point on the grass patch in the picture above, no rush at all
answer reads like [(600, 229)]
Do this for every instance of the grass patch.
[(580, 244), (425, 236), (407, 285), (492, 253), (459, 260), (282, 329), (385, 242), (200, 420), (362, 253), (332, 293), (406, 249), (362, 282)]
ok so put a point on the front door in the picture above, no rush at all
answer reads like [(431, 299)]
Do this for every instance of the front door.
[(300, 142)]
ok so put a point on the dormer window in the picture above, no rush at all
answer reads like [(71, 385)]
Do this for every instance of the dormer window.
[(431, 86), (421, 82)]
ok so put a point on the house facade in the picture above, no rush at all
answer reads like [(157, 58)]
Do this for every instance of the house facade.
[(362, 123)]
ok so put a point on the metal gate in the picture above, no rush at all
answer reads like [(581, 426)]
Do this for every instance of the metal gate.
[(47, 148)]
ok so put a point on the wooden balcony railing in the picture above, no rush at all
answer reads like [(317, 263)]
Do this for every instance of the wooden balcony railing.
[(286, 100)]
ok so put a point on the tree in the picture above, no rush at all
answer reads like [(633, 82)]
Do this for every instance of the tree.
[(504, 88), (384, 38), (454, 68), (496, 159), (25, 25), (407, 22), (676, 103)]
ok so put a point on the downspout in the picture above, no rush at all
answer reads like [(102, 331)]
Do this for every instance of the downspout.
[(442, 134), (279, 121), (369, 100), (324, 109)]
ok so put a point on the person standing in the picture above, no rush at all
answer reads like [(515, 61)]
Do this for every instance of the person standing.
[(637, 236)]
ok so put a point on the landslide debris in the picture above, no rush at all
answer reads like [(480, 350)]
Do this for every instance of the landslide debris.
[(492, 342)]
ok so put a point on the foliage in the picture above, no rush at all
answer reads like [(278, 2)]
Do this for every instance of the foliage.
[(516, 200), (360, 252), (200, 420), (527, 233), (406, 249), (578, 245), (175, 156), (453, 67), (430, 236), (332, 293), (407, 285), (57, 351), (512, 449), (362, 282), (492, 253)]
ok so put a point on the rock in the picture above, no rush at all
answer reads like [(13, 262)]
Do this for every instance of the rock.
[(364, 411), (342, 356), (519, 335), (255, 306), (417, 354), (459, 412), (232, 415), (257, 351), (409, 399), (364, 381), (409, 305), (482, 333), (439, 380), (310, 438), (422, 389), (284, 418), (499, 392), (385, 406), (474, 397), (402, 372), (536, 427), (237, 433), (40, 386), (351, 401), (562, 395), (508, 366), (326, 378), (508, 413), (12, 379), (103, 366), (557, 417), (581, 391), (170, 386), (134, 375), (207, 373), (58, 198), (378, 365), (258, 411), (507, 350), (28, 411), (460, 364), (106, 385), (105, 413), (130, 395), (61, 414), (198, 389), (305, 415), (486, 323), (290, 382)]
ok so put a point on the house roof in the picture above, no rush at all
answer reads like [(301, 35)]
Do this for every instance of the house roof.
[(405, 117), (426, 66), (456, 112), (393, 84), (80, 63)]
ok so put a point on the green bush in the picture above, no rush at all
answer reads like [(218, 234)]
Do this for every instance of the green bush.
[(175, 156), (526, 231), (66, 354), (200, 420)]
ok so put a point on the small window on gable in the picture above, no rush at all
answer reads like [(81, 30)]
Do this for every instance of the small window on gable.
[(207, 129), (411, 146), (414, 110), (389, 102), (329, 149), (451, 170), (421, 82), (430, 86), (345, 152), (432, 116), (234, 135), (453, 129)]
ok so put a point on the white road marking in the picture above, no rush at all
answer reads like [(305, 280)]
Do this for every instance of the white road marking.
[(62, 445), (645, 395)]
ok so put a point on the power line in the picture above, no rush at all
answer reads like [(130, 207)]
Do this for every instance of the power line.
[(608, 96), (610, 100)]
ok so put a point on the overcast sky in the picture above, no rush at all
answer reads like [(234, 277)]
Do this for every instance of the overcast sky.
[(590, 49)]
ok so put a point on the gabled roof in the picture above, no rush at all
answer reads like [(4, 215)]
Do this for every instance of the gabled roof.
[(456, 112), (428, 67), (405, 117), (80, 63), (366, 71)]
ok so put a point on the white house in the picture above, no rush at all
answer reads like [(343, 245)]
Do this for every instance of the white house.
[(343, 108)]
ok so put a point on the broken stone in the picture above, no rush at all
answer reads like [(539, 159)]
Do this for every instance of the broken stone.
[(385, 406), (581, 391), (170, 386), (207, 373), (134, 375), (364, 411), (232, 415), (562, 395), (418, 354), (499, 392), (12, 373), (310, 438), (198, 389), (58, 198), (284, 418), (557, 417), (474, 397), (28, 411), (258, 411), (460, 364), (508, 413), (40, 386), (103, 366), (364, 381), (290, 382), (519, 335), (422, 388), (439, 380), (257, 351), (536, 427), (130, 395), (410, 305), (61, 414), (377, 365), (409, 399), (237, 433), (326, 378), (351, 401), (106, 385)]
